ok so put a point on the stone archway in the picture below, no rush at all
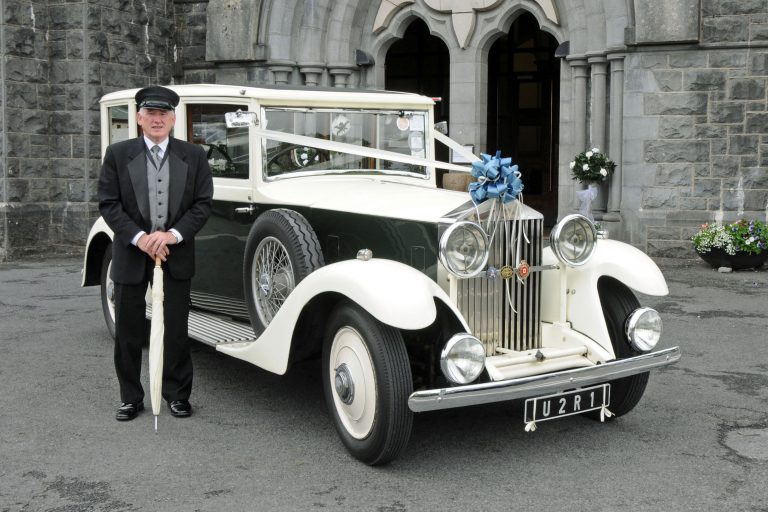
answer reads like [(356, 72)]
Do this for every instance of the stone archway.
[(523, 109), (420, 63)]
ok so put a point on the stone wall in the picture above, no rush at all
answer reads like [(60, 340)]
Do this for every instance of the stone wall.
[(695, 119), (59, 57), (698, 117), (191, 20)]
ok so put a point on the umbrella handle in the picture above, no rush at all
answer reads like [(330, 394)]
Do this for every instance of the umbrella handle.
[(157, 261)]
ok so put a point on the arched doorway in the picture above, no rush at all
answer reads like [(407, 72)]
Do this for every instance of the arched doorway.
[(419, 63), (523, 100)]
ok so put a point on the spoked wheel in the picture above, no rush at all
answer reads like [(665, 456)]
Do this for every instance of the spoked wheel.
[(618, 303), (108, 291), (367, 381), (273, 275), (282, 249)]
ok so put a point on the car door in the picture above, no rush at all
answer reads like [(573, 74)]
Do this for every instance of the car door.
[(220, 244)]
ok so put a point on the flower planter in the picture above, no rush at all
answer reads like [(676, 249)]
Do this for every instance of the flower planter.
[(741, 260)]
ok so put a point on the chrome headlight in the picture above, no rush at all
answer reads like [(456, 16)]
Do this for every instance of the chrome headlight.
[(462, 359), (464, 249), (644, 329), (573, 240)]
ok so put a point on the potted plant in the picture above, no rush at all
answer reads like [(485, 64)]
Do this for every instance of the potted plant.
[(590, 168), (738, 245)]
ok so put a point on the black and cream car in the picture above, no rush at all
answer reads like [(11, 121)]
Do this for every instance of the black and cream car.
[(330, 238)]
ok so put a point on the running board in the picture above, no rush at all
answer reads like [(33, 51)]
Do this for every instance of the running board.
[(214, 330)]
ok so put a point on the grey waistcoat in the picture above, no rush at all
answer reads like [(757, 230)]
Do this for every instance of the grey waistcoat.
[(157, 182)]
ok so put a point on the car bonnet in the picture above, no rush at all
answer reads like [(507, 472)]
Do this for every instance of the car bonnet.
[(366, 196)]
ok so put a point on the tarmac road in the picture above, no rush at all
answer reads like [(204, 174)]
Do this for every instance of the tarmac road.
[(697, 441)]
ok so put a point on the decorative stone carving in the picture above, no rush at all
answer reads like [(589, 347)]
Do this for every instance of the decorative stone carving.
[(231, 30), (462, 13)]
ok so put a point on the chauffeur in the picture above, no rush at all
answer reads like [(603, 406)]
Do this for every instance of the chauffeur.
[(155, 193)]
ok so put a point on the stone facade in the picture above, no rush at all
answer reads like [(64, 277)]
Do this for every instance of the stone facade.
[(58, 59), (700, 130), (676, 92)]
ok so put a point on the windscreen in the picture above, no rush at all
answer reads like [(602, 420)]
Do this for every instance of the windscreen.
[(401, 132)]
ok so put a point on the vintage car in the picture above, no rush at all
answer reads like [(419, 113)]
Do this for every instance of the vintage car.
[(329, 237)]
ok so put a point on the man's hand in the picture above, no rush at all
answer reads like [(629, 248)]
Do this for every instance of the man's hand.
[(156, 244)]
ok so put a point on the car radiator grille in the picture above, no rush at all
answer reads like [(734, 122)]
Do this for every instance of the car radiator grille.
[(506, 312)]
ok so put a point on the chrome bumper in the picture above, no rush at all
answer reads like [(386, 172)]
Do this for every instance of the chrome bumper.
[(526, 387)]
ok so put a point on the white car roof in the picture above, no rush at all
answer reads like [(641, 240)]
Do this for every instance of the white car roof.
[(291, 95)]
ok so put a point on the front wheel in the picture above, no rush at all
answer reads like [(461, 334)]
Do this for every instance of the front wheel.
[(108, 291), (618, 303), (282, 249), (367, 381)]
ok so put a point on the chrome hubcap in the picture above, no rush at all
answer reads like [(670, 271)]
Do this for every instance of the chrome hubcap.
[(345, 387), (272, 278), (265, 284)]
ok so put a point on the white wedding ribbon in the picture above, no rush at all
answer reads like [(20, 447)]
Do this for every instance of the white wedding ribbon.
[(458, 148), (586, 197), (605, 413), (342, 147)]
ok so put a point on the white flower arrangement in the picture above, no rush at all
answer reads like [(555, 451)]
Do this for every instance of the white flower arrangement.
[(591, 166)]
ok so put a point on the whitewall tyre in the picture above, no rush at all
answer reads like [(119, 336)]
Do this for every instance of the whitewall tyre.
[(367, 381)]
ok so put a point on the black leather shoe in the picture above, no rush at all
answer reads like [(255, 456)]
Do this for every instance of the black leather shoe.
[(129, 410), (180, 408)]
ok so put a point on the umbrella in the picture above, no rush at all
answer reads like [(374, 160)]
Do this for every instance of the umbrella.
[(157, 333)]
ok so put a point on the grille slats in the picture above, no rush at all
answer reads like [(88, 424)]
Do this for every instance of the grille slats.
[(484, 302)]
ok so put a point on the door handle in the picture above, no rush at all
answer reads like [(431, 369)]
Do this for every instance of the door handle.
[(246, 209)]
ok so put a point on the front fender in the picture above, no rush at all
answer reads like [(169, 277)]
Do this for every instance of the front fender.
[(98, 238), (394, 293), (625, 263), (612, 258)]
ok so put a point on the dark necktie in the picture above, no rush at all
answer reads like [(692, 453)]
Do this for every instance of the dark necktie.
[(156, 156)]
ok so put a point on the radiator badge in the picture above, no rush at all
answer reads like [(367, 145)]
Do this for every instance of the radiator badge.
[(523, 269)]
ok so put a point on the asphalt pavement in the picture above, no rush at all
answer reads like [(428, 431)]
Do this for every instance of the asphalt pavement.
[(697, 441)]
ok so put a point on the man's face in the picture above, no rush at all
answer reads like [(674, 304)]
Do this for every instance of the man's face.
[(156, 124)]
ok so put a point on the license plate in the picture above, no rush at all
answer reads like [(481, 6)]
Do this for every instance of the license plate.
[(559, 405)]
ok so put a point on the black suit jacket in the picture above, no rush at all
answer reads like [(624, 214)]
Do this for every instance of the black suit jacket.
[(124, 204)]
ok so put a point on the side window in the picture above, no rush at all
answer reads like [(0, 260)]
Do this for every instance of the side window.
[(118, 123), (283, 157), (227, 148)]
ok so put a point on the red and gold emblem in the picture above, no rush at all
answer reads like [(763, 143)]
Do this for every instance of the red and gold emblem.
[(523, 269)]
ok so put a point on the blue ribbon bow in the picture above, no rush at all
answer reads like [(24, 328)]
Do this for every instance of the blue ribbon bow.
[(496, 178)]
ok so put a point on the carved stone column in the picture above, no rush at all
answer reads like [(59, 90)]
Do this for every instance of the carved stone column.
[(282, 70), (598, 102), (599, 70), (340, 74), (312, 71), (616, 134), (579, 66), (579, 74)]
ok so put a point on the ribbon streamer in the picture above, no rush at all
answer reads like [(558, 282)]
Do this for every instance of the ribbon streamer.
[(586, 197), (496, 178), (530, 426), (353, 149), (605, 413)]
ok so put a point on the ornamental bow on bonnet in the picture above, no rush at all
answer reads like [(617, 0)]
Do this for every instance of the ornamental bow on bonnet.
[(495, 179)]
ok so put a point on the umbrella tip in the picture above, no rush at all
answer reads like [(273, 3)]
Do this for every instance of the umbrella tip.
[(155, 424)]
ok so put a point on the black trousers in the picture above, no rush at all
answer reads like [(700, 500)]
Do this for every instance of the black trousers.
[(132, 334)]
